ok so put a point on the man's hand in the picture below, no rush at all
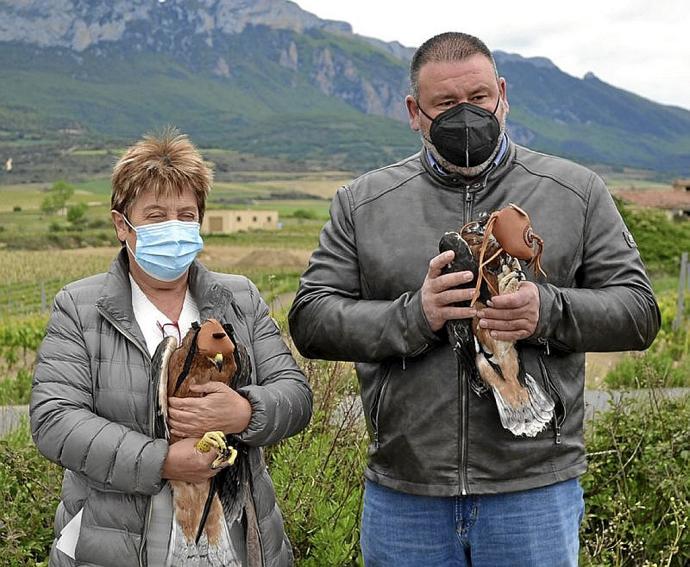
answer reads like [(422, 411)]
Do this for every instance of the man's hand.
[(185, 462), (512, 316), (221, 409), (438, 294)]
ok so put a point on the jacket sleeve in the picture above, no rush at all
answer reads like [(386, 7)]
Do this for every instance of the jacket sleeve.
[(64, 426), (281, 398), (613, 306), (329, 319)]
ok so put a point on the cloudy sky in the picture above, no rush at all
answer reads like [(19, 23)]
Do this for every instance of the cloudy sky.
[(639, 45)]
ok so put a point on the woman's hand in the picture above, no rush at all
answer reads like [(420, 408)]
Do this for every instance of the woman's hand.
[(185, 462), (220, 409)]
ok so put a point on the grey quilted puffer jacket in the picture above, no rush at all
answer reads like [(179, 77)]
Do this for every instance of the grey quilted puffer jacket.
[(92, 405)]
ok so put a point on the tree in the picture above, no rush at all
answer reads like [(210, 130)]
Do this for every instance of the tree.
[(57, 197), (76, 214)]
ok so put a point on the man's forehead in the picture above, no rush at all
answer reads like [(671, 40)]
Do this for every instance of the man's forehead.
[(477, 63), (471, 73)]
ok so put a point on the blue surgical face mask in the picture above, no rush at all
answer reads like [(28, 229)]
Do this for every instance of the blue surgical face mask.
[(165, 250)]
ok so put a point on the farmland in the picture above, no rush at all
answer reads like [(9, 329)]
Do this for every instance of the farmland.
[(40, 253)]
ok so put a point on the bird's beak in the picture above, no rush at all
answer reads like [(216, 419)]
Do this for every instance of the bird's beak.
[(218, 361)]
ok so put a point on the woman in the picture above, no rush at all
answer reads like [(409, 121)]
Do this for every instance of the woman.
[(93, 404)]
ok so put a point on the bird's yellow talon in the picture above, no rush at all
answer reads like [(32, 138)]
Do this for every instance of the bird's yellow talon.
[(210, 440), (216, 440), (233, 455)]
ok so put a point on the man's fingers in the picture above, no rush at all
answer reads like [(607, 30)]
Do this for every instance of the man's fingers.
[(437, 262), (450, 281), (504, 325), (503, 314), (510, 335), (450, 296), (450, 313), (510, 300)]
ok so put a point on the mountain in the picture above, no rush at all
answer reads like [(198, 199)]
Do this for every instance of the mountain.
[(268, 78)]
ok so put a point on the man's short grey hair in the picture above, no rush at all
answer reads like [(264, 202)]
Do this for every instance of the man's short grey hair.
[(449, 46)]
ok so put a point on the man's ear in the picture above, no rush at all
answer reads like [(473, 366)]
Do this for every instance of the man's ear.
[(503, 89), (412, 112)]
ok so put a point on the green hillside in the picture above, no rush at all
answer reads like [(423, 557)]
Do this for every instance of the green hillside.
[(262, 109), (320, 96)]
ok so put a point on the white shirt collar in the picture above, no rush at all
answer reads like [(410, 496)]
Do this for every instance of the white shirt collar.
[(154, 324)]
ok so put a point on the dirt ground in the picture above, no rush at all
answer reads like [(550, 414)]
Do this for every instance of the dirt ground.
[(228, 256)]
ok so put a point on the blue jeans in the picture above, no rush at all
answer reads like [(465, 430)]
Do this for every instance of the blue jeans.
[(531, 528)]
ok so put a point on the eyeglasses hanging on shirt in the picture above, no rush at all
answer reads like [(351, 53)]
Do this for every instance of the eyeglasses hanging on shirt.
[(171, 330)]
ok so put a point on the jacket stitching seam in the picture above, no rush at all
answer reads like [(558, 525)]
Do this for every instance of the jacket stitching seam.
[(388, 190), (553, 178)]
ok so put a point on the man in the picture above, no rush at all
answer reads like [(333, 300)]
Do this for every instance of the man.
[(445, 483)]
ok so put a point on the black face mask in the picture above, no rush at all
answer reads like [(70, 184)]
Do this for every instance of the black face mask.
[(465, 135)]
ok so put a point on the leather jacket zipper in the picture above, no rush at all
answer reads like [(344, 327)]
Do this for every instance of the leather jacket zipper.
[(464, 398), (464, 412), (378, 402), (558, 420), (467, 211)]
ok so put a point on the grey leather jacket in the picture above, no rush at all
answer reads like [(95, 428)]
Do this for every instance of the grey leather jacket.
[(92, 403), (359, 300)]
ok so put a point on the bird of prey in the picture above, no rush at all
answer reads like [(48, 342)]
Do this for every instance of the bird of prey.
[(491, 247), (460, 333), (209, 352)]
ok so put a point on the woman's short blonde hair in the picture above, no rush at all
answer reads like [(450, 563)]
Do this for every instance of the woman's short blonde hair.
[(166, 163)]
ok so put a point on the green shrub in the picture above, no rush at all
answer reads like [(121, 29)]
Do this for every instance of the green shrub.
[(76, 214), (98, 223), (17, 390), (661, 241), (29, 492), (637, 486), (666, 363), (305, 214), (318, 473)]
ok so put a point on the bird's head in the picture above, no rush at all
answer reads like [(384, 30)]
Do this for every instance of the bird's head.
[(215, 344), (217, 361)]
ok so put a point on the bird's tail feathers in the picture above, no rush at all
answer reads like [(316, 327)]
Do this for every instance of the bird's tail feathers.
[(528, 416), (214, 547)]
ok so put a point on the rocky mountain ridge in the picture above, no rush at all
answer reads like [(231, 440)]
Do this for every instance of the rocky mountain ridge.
[(260, 74)]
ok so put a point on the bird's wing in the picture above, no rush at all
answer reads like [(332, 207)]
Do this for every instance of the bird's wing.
[(159, 369), (242, 360)]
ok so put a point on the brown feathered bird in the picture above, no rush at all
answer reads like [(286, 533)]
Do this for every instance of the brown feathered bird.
[(490, 248), (208, 353)]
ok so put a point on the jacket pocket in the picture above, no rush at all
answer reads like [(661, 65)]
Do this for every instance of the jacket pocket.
[(375, 411), (560, 411)]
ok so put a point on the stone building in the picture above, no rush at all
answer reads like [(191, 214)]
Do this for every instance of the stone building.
[(225, 221), (681, 184), (675, 202)]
